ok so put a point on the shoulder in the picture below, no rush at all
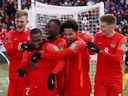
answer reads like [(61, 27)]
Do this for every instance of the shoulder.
[(98, 34), (119, 37), (80, 42), (61, 40), (50, 47), (98, 37), (85, 37), (60, 43)]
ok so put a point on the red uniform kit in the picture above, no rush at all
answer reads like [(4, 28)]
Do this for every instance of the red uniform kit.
[(77, 81), (16, 84), (38, 76), (108, 80), (86, 37), (61, 44)]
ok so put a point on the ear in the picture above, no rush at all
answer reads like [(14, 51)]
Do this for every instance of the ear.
[(114, 25)]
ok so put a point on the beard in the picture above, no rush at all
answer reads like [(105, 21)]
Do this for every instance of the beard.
[(52, 37)]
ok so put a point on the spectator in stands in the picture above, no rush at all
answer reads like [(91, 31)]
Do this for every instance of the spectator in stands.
[(10, 9)]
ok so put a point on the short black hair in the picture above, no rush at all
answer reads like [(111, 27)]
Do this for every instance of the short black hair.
[(35, 31), (69, 24), (56, 21)]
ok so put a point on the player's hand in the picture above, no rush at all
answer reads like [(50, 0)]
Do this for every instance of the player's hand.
[(91, 46), (22, 46), (73, 46), (26, 46), (21, 72), (76, 45), (51, 81), (36, 57), (31, 47)]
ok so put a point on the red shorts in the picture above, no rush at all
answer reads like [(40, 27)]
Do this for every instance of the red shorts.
[(102, 89)]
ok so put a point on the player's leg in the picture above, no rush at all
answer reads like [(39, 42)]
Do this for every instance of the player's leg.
[(113, 91), (100, 89), (11, 88)]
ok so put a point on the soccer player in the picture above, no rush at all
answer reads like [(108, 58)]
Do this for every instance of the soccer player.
[(109, 45), (37, 69), (84, 35), (55, 37), (20, 34), (76, 55)]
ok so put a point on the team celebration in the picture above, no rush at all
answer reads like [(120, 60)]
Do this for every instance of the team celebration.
[(63, 47)]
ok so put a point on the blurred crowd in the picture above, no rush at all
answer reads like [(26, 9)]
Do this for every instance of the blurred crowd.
[(8, 10), (119, 8)]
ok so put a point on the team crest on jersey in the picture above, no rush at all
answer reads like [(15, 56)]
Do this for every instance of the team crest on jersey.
[(106, 50)]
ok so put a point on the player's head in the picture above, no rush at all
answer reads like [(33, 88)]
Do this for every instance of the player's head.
[(69, 29), (108, 23), (21, 19), (36, 37), (53, 28)]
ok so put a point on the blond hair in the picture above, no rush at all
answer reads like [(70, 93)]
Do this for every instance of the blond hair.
[(21, 13)]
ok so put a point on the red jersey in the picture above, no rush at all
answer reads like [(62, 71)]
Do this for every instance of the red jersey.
[(38, 77), (109, 60), (61, 44), (12, 43), (14, 38), (77, 82), (86, 37), (59, 69)]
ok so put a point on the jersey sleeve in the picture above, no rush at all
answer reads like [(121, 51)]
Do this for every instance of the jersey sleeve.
[(57, 55), (67, 52), (59, 63)]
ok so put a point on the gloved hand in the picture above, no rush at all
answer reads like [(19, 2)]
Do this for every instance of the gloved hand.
[(26, 46), (36, 57), (91, 46), (21, 72), (51, 81)]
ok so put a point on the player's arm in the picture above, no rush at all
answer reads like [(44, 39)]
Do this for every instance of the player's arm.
[(57, 55), (22, 70), (92, 46), (67, 52)]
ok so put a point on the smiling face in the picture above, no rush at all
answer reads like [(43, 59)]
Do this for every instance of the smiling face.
[(70, 35), (53, 30), (36, 38), (21, 19), (107, 29), (21, 22), (108, 24)]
